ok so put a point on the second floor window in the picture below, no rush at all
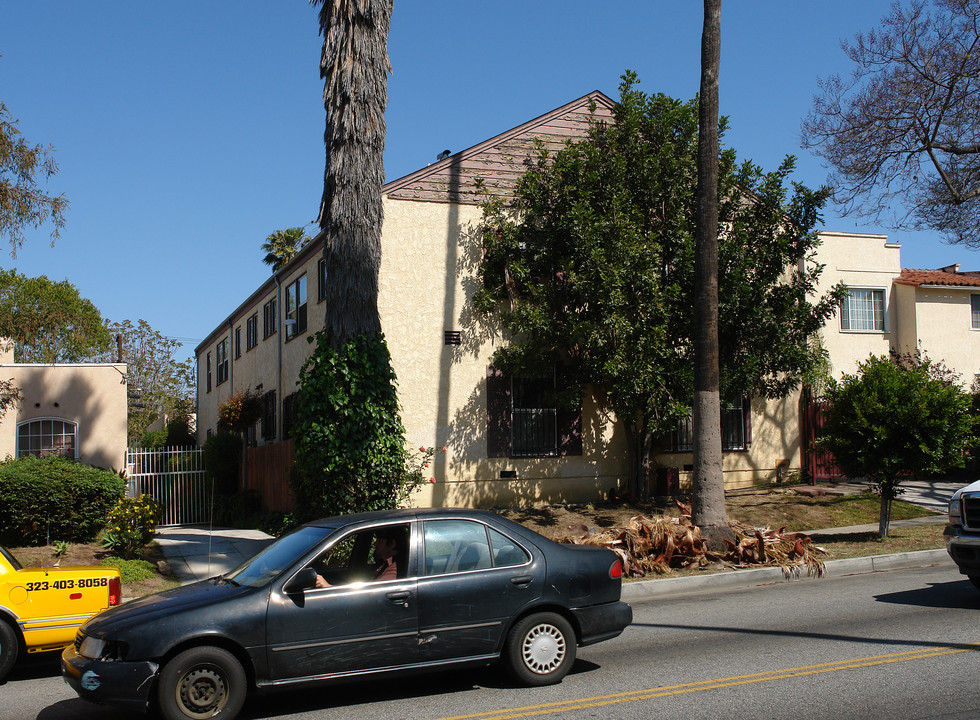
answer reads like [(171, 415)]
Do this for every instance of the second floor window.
[(269, 319), (238, 342), (208, 371), (251, 332), (975, 312), (296, 308), (221, 357), (863, 309), (321, 274)]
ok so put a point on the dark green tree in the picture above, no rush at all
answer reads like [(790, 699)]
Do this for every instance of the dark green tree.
[(591, 270), (282, 245), (23, 204), (361, 465), (900, 133), (896, 417), (49, 321)]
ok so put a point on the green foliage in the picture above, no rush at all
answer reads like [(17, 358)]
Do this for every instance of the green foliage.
[(154, 439), (49, 321), (896, 417), (349, 439), (60, 547), (159, 384), (179, 433), (240, 412), (131, 569), (222, 461), (22, 203), (591, 269), (41, 498), (282, 245), (131, 524)]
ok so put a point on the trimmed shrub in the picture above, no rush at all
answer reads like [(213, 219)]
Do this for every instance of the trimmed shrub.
[(222, 458), (43, 498)]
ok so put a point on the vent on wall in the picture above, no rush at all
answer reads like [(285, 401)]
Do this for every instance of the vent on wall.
[(454, 337)]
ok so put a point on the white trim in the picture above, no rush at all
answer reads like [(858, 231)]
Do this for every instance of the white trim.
[(40, 419), (884, 312)]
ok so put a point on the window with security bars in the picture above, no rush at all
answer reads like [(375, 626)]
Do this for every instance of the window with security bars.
[(863, 309), (734, 429), (534, 417), (47, 437)]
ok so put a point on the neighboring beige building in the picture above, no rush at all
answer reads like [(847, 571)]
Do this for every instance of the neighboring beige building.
[(450, 394), (75, 410)]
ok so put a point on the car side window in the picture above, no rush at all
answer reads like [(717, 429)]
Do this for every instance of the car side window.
[(455, 546), (369, 555), (505, 551)]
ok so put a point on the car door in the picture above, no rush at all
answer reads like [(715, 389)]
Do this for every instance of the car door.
[(359, 623), (472, 581)]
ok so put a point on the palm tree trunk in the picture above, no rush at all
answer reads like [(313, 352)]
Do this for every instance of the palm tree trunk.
[(354, 66), (709, 484)]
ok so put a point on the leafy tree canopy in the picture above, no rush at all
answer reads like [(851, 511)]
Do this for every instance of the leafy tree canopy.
[(159, 384), (894, 417), (49, 321), (591, 269), (23, 204), (282, 245), (902, 131)]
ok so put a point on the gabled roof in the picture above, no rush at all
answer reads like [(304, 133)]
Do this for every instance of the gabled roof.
[(500, 161), (948, 277)]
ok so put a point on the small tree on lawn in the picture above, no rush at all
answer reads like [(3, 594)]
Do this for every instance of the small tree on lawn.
[(897, 416)]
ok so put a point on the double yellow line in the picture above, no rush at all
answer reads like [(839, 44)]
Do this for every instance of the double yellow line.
[(715, 684)]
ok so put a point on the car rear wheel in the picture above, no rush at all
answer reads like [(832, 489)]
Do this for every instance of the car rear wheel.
[(201, 683), (9, 647), (540, 649)]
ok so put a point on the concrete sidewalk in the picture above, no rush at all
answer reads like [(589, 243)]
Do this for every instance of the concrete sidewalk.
[(197, 552)]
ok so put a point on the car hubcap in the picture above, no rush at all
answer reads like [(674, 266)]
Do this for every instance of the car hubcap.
[(544, 649), (201, 693)]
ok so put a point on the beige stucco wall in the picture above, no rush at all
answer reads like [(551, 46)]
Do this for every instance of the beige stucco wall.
[(93, 396), (863, 261)]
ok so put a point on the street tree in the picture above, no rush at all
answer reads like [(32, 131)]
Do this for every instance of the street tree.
[(708, 500), (897, 417), (10, 396), (282, 245), (49, 321), (349, 438), (160, 384), (901, 135), (23, 202), (590, 270)]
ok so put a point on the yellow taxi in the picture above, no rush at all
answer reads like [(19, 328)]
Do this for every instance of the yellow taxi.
[(41, 608)]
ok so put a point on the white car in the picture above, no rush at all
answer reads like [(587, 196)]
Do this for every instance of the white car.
[(963, 532)]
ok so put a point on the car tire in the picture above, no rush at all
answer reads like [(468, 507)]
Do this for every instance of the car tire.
[(9, 649), (201, 682), (540, 649)]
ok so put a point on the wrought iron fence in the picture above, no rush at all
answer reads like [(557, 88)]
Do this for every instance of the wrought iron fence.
[(175, 477)]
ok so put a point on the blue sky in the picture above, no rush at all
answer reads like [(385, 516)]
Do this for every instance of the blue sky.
[(187, 131)]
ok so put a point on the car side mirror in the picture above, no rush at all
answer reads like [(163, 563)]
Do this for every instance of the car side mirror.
[(305, 579)]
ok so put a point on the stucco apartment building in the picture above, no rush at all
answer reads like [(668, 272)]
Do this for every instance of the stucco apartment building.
[(502, 447), (78, 411)]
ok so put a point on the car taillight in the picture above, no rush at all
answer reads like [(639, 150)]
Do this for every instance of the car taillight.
[(115, 591), (616, 569)]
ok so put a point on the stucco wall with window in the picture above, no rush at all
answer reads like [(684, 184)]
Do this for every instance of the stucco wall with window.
[(941, 325), (869, 264), (92, 398)]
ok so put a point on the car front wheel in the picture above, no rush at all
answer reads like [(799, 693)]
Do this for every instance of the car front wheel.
[(541, 649), (8, 649), (202, 682)]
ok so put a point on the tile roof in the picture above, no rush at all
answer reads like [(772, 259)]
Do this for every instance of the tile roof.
[(945, 276)]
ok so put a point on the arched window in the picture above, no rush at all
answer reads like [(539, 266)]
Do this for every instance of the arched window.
[(47, 436)]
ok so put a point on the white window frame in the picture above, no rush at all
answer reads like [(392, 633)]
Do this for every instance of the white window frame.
[(974, 311), (845, 312), (66, 421)]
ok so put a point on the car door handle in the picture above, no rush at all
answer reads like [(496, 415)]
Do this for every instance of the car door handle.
[(521, 579), (399, 597)]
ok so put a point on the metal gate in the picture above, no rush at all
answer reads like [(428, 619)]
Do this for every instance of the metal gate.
[(175, 477)]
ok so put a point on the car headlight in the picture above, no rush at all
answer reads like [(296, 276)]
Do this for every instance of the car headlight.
[(93, 648), (954, 512)]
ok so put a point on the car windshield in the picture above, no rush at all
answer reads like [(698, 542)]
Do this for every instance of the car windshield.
[(10, 559), (268, 564)]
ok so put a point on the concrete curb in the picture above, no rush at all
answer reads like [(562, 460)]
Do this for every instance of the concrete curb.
[(735, 579)]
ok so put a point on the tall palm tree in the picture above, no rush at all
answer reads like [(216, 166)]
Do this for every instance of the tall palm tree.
[(709, 482), (354, 66), (280, 246)]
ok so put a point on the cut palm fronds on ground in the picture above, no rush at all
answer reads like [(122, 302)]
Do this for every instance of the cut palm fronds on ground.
[(659, 544)]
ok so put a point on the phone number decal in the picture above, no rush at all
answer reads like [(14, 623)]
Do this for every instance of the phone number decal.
[(67, 584)]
